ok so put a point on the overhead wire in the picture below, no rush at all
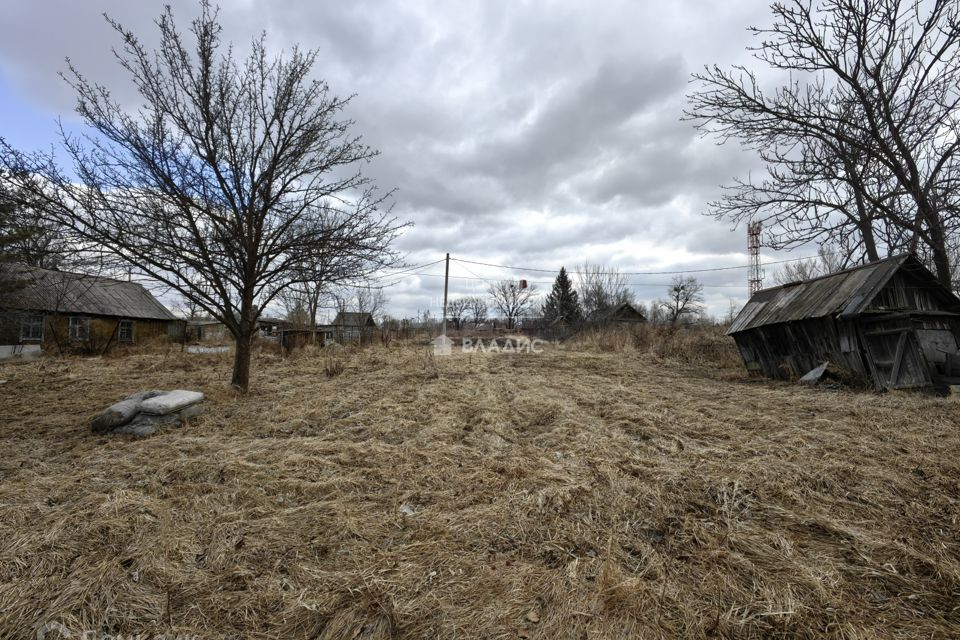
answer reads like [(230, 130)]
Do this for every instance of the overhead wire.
[(396, 277), (628, 273)]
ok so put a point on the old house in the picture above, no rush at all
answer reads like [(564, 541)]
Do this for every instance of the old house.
[(352, 326), (889, 321), (623, 314), (78, 312)]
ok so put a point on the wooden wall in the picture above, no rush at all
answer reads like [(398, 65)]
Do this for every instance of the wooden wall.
[(789, 350), (103, 334)]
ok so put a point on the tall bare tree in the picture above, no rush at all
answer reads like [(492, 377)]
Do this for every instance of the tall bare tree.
[(511, 300), (227, 183), (684, 298), (457, 310), (826, 262), (601, 288), (27, 236), (477, 310), (865, 134)]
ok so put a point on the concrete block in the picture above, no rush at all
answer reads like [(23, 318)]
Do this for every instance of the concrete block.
[(170, 402), (115, 416)]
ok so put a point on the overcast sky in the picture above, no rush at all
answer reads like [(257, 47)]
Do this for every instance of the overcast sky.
[(536, 134)]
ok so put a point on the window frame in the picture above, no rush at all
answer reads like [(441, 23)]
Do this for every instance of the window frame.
[(79, 322), (31, 320), (121, 324)]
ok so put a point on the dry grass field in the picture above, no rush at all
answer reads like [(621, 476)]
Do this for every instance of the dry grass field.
[(591, 491)]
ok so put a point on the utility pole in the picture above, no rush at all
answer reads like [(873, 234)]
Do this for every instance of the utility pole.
[(446, 281)]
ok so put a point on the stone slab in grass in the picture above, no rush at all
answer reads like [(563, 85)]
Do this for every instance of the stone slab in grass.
[(143, 413), (170, 402)]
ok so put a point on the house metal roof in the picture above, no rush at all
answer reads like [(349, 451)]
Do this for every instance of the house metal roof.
[(64, 292), (844, 294)]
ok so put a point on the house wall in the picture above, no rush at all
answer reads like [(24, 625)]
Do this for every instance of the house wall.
[(789, 350), (895, 350), (209, 333), (103, 333)]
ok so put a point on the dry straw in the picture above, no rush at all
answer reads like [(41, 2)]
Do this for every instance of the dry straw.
[(584, 492)]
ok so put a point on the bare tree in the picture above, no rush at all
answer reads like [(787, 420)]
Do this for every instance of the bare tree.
[(732, 310), (477, 310), (798, 271), (830, 259), (360, 299), (370, 300), (601, 288), (864, 136), (189, 309), (27, 236), (359, 248), (511, 300), (227, 182), (295, 309), (684, 298), (457, 310)]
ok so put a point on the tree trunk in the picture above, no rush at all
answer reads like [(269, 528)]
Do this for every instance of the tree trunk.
[(244, 337), (937, 244), (869, 242), (241, 360)]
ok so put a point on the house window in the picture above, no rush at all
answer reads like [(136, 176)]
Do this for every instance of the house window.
[(31, 328), (126, 331), (79, 328)]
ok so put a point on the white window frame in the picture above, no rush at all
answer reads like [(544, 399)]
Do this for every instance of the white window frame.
[(32, 320), (120, 326), (79, 328)]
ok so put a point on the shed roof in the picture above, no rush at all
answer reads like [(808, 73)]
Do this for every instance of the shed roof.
[(353, 319), (622, 311), (844, 293), (65, 292)]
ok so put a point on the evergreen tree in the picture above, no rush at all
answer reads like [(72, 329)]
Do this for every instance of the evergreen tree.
[(563, 303)]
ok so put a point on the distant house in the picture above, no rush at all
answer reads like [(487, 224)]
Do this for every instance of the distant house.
[(890, 321), (350, 325), (622, 314), (81, 312), (211, 331), (208, 331)]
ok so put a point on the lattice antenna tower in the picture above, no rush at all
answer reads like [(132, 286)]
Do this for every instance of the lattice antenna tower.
[(755, 275)]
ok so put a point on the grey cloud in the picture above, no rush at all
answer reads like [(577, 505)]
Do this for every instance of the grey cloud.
[(526, 133)]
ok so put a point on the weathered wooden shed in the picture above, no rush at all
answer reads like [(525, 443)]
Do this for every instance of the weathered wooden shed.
[(890, 321)]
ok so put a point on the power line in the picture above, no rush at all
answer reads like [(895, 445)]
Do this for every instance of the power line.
[(408, 269), (628, 273), (545, 282), (417, 270)]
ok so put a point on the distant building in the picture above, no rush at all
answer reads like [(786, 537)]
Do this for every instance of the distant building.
[(73, 311), (208, 331), (889, 321), (211, 331), (352, 326), (622, 314)]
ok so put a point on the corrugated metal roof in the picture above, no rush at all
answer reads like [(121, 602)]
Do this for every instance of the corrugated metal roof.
[(64, 292), (845, 293)]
